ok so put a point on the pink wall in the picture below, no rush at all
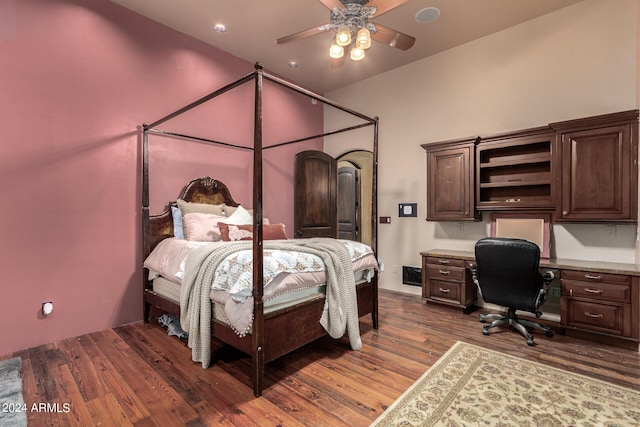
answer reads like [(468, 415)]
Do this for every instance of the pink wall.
[(77, 80)]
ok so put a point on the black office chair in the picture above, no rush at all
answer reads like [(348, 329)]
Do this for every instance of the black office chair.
[(507, 273)]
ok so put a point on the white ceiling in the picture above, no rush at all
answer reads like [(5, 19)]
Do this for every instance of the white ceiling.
[(254, 25)]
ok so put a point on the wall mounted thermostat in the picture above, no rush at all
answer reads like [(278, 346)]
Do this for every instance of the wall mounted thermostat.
[(407, 209)]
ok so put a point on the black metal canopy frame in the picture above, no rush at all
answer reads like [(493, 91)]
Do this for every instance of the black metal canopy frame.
[(257, 76)]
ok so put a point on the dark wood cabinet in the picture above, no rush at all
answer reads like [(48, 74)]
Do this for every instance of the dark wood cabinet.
[(447, 281), (600, 302), (583, 170), (516, 171), (599, 158), (450, 195)]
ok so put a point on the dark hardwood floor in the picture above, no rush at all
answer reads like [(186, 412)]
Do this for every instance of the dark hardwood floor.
[(138, 375)]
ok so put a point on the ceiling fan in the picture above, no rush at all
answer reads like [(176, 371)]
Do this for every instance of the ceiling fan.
[(350, 19)]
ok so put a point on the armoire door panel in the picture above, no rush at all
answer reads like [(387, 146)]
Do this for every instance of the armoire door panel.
[(315, 206)]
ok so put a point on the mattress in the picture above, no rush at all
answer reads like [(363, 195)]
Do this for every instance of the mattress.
[(171, 290), (290, 278)]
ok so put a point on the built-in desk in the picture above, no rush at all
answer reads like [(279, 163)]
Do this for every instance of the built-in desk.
[(597, 300)]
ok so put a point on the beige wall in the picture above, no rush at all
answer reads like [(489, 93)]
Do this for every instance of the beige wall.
[(576, 62)]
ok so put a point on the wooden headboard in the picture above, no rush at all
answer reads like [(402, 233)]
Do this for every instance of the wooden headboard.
[(200, 190)]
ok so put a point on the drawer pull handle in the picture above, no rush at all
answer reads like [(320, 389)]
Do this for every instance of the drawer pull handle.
[(593, 291), (593, 316), (444, 291), (592, 277), (444, 261), (445, 272)]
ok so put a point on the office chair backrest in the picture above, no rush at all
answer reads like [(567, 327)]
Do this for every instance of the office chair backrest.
[(508, 272)]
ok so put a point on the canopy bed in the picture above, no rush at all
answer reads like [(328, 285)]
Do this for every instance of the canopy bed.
[(276, 325)]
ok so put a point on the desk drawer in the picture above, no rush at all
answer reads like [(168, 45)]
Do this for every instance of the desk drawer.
[(446, 261), (445, 272), (597, 291), (600, 317), (590, 277), (441, 289), (596, 286)]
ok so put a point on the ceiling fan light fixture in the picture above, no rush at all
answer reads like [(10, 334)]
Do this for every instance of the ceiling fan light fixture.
[(336, 51), (343, 37), (363, 39), (357, 54)]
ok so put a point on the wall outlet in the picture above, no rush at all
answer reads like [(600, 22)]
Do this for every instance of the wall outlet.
[(47, 308)]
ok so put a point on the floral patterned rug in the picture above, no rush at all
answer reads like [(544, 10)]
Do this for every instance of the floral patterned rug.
[(471, 385)]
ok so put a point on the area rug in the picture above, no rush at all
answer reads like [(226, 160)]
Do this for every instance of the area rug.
[(13, 412), (471, 385)]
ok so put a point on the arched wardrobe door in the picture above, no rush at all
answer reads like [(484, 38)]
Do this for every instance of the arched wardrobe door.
[(316, 188)]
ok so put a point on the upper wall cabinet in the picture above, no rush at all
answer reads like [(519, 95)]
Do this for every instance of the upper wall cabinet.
[(584, 170), (599, 163), (450, 195), (516, 171)]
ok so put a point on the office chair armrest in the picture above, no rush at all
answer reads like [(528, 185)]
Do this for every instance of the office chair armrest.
[(474, 273), (548, 277), (474, 276)]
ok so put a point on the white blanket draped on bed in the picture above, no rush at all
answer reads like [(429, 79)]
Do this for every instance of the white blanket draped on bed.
[(340, 310)]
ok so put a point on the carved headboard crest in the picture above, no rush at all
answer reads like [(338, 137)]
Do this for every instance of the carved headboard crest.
[(209, 182), (207, 190)]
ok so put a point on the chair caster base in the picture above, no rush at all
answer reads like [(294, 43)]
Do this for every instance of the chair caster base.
[(511, 320)]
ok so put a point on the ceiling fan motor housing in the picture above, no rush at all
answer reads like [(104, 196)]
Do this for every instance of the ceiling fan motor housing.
[(354, 16)]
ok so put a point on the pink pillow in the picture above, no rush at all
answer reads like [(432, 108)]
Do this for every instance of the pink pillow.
[(232, 232), (202, 227)]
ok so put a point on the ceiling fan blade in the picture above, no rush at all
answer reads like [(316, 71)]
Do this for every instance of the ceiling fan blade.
[(384, 6), (330, 4), (302, 34), (393, 38)]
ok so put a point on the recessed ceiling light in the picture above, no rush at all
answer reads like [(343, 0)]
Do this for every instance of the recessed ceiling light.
[(221, 28), (293, 64), (428, 14)]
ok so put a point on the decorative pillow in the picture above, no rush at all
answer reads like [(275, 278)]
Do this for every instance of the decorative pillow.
[(240, 216), (230, 210), (231, 232), (178, 233), (189, 207), (202, 227)]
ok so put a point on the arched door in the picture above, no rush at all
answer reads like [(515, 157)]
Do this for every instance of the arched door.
[(348, 202), (316, 187)]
